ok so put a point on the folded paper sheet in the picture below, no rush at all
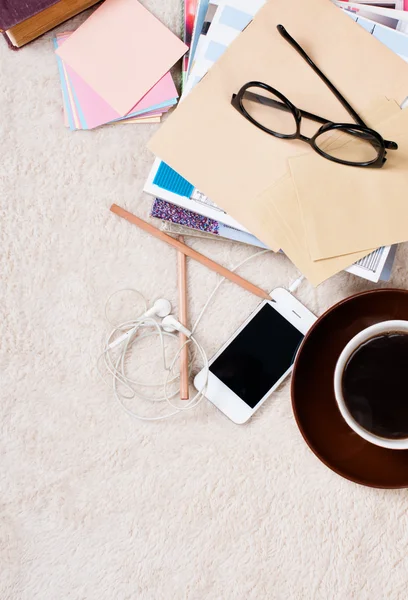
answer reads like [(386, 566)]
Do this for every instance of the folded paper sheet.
[(351, 209), (121, 51), (233, 161)]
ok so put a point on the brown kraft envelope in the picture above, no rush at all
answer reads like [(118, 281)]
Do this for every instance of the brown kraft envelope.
[(286, 222), (351, 209), (210, 144), (286, 219), (287, 228)]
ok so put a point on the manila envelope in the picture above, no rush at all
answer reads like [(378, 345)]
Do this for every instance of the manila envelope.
[(286, 224), (280, 202), (348, 209), (210, 144)]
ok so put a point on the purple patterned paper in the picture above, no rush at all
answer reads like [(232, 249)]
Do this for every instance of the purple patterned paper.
[(181, 216)]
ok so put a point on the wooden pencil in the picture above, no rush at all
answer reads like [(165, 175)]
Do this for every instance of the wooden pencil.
[(207, 262), (182, 290)]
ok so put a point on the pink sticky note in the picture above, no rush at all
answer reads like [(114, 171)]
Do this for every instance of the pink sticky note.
[(121, 51), (97, 111)]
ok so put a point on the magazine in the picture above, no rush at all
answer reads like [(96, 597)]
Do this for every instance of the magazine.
[(190, 7)]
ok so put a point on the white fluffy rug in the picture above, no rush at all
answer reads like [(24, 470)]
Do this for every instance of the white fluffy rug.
[(95, 505)]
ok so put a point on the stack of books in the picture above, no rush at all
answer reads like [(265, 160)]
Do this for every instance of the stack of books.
[(115, 68), (180, 205)]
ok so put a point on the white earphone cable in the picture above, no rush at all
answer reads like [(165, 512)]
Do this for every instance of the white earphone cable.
[(121, 345), (221, 281)]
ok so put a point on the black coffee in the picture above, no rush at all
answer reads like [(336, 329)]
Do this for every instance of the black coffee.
[(375, 385)]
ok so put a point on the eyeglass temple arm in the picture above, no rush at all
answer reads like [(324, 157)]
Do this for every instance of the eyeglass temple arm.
[(339, 96), (322, 76)]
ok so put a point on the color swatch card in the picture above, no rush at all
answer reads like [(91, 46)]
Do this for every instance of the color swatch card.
[(121, 52)]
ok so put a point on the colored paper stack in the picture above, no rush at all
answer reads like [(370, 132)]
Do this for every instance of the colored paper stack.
[(115, 67)]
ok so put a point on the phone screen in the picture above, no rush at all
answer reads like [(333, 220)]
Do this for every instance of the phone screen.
[(259, 355)]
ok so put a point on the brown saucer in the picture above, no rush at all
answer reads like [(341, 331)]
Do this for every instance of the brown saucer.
[(313, 401)]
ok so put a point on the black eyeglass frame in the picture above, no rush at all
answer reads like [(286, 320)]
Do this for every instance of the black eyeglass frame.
[(358, 129)]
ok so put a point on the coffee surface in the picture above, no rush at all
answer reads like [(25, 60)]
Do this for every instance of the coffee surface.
[(375, 385)]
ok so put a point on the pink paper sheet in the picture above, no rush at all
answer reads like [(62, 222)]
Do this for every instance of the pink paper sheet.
[(97, 112), (121, 51)]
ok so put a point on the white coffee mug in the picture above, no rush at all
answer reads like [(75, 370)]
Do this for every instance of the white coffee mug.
[(354, 343)]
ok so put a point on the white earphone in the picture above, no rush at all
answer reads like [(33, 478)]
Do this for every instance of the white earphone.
[(120, 342), (161, 308), (117, 348), (171, 324)]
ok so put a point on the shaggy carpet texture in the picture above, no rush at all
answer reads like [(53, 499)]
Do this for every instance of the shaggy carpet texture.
[(95, 505)]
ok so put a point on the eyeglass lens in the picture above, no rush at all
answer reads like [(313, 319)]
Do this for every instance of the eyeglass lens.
[(263, 106), (348, 144)]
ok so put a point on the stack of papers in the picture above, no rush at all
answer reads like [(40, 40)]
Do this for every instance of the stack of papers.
[(115, 67), (216, 25), (326, 217)]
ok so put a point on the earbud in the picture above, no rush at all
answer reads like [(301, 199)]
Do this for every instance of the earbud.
[(161, 308), (170, 324)]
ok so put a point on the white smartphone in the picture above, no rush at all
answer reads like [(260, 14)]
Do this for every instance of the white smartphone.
[(258, 356)]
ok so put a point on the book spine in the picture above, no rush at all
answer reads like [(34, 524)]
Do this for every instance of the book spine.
[(9, 43)]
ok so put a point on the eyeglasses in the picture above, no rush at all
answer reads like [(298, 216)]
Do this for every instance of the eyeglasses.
[(268, 109)]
